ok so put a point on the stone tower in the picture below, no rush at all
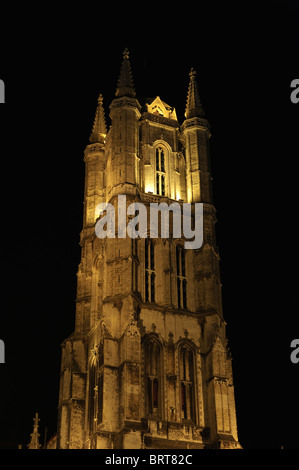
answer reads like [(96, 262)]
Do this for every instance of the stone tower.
[(147, 365)]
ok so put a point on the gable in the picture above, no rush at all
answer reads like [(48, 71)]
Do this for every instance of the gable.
[(159, 107)]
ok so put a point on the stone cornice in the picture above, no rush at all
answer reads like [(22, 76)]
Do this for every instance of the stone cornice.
[(156, 118), (196, 122), (125, 102)]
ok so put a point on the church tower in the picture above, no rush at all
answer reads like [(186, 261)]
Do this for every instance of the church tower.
[(147, 366)]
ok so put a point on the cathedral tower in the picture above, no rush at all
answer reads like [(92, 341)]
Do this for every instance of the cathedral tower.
[(147, 365)]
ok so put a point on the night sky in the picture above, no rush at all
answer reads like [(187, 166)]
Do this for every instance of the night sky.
[(54, 67)]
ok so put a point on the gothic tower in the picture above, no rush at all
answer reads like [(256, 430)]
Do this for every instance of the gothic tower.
[(148, 364)]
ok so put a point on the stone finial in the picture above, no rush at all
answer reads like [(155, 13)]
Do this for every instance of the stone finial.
[(34, 436), (126, 53), (192, 72), (193, 107), (125, 84), (99, 129)]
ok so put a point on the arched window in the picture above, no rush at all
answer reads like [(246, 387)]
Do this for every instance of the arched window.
[(149, 271), (153, 377), (100, 390), (186, 358), (181, 277), (160, 171), (92, 397), (95, 390)]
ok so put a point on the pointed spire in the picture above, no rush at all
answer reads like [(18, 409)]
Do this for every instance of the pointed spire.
[(34, 437), (125, 84), (193, 107), (99, 129)]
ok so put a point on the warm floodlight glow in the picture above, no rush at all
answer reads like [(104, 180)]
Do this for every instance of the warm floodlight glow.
[(149, 188)]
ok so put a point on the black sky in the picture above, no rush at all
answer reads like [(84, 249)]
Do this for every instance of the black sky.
[(246, 57)]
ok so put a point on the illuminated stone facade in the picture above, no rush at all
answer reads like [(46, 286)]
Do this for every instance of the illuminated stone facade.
[(147, 365)]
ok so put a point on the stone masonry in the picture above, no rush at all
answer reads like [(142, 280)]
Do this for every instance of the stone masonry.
[(148, 366)]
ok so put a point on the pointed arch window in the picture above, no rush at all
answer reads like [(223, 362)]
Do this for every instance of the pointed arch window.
[(92, 397), (153, 377), (187, 398), (100, 384), (160, 171), (181, 277), (95, 390), (149, 271)]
